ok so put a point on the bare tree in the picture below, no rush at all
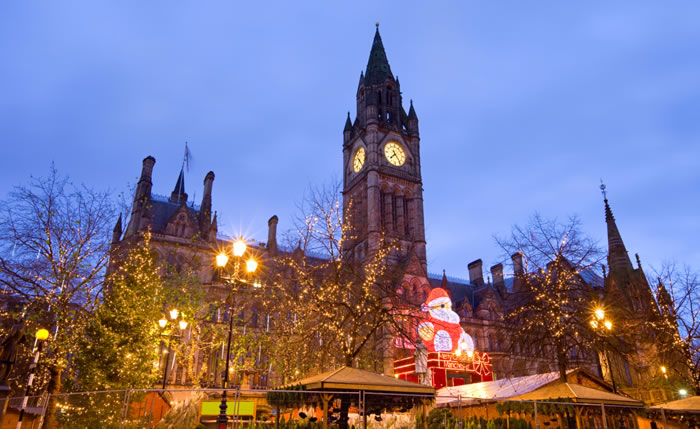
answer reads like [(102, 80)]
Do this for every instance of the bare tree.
[(678, 327), (54, 246), (552, 290)]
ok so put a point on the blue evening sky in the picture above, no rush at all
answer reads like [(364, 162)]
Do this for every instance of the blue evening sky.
[(523, 107)]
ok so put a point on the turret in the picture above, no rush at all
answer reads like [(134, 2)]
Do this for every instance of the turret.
[(412, 121), (272, 235), (347, 131), (205, 208), (140, 210)]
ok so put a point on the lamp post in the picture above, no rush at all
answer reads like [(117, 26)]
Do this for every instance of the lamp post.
[(602, 327), (41, 336), (239, 248), (182, 324)]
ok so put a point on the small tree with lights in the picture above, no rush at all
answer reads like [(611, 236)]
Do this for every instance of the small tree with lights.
[(677, 326), (120, 342), (554, 288)]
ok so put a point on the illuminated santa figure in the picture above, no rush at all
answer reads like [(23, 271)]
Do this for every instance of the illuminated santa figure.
[(440, 330)]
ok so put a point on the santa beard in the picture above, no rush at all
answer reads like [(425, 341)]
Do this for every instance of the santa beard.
[(445, 315)]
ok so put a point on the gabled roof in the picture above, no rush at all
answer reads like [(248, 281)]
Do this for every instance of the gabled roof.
[(346, 378)]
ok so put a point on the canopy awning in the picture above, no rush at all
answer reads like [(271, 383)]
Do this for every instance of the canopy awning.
[(578, 393), (346, 378), (686, 405)]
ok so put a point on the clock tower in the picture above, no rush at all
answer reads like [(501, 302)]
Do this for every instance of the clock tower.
[(382, 184)]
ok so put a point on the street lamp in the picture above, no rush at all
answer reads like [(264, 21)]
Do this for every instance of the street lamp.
[(601, 325), (41, 336), (239, 248), (174, 313)]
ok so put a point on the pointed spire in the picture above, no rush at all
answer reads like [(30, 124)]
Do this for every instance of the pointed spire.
[(348, 124), (377, 65), (444, 284), (117, 231), (179, 195), (412, 112), (618, 259)]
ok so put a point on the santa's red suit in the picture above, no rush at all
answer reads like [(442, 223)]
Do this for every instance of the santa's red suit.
[(440, 330)]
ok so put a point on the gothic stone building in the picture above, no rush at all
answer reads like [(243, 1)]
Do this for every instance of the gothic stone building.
[(382, 177)]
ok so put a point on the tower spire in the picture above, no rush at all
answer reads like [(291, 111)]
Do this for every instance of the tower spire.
[(378, 64), (178, 195), (618, 259)]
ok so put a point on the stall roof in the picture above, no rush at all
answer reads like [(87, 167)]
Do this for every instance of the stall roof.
[(346, 378), (578, 393), (534, 387), (691, 404), (499, 389)]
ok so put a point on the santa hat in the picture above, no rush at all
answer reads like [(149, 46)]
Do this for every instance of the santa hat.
[(436, 296)]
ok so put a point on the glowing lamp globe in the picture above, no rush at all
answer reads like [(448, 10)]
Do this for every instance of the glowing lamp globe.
[(608, 324), (42, 334), (162, 323), (663, 369), (174, 313), (251, 265), (600, 313), (221, 260), (239, 248), (183, 325)]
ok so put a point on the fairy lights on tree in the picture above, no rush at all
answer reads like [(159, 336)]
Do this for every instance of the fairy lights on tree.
[(556, 298)]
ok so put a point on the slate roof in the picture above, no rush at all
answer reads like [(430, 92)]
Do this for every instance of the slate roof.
[(461, 290), (162, 210)]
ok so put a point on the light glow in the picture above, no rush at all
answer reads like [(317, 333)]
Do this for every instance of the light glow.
[(251, 265), (608, 325), (162, 323), (221, 260), (683, 392), (239, 248), (600, 313), (663, 369), (42, 334), (183, 325), (174, 313)]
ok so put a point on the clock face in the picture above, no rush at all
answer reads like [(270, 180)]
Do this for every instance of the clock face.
[(358, 160), (394, 154)]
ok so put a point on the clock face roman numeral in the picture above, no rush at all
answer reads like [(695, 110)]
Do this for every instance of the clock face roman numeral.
[(358, 160), (394, 153)]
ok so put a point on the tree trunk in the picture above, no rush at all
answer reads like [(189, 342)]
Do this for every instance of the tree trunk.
[(561, 360), (54, 388)]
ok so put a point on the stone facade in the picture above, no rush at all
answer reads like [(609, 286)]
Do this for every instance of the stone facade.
[(382, 190)]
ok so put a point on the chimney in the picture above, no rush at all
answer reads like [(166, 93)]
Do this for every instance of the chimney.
[(272, 235), (205, 208), (517, 259), (497, 275), (147, 169), (518, 272), (140, 209), (476, 274)]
